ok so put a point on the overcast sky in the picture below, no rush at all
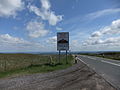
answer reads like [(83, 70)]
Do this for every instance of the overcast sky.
[(31, 25)]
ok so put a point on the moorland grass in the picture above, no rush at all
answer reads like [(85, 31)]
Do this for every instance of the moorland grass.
[(31, 63)]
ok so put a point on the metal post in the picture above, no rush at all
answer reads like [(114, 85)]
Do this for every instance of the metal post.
[(66, 57), (59, 56)]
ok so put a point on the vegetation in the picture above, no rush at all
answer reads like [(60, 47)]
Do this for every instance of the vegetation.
[(20, 64), (109, 55)]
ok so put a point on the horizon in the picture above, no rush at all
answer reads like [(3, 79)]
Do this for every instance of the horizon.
[(32, 25), (56, 52)]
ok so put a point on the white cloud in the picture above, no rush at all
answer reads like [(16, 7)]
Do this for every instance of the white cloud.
[(51, 43), (96, 34), (6, 38), (97, 37), (10, 7), (91, 16), (114, 28), (45, 12), (36, 10), (46, 4), (10, 43), (112, 40), (109, 41), (36, 29), (53, 19), (104, 12), (52, 40), (58, 28), (74, 45)]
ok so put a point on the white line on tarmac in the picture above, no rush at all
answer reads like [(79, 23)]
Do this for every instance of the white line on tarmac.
[(80, 60), (108, 59), (105, 62), (110, 63)]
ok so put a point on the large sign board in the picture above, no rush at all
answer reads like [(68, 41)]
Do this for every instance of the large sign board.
[(63, 41)]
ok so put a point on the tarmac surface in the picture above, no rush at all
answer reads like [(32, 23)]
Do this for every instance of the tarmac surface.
[(107, 68)]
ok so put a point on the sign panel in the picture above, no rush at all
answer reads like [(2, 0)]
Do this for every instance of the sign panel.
[(63, 41)]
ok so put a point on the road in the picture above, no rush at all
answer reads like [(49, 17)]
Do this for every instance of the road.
[(109, 69)]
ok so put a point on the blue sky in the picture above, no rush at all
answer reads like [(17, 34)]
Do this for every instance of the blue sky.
[(31, 25)]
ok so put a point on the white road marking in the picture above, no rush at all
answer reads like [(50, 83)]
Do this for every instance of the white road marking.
[(110, 63), (83, 61), (80, 60), (104, 61), (108, 59)]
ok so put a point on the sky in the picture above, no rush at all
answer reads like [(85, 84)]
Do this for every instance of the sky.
[(32, 25)]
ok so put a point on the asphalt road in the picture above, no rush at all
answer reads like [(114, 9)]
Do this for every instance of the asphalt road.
[(109, 69)]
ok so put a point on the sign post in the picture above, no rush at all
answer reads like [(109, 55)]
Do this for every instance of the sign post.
[(59, 56), (63, 43), (66, 57)]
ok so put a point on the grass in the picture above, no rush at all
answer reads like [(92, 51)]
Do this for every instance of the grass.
[(108, 55), (30, 63)]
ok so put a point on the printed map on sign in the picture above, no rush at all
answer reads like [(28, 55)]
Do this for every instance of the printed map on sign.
[(63, 41)]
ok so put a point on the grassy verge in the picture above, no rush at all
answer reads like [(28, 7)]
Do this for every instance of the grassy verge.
[(47, 66)]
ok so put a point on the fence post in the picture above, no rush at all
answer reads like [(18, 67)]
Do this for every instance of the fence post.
[(75, 59), (51, 60)]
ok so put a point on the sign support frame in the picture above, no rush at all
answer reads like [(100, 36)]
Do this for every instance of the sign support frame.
[(63, 44), (59, 56), (66, 57)]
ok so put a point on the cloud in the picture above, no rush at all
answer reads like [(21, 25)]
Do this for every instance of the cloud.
[(74, 44), (46, 13), (36, 29), (45, 4), (104, 12), (7, 39), (10, 7), (52, 40), (114, 28), (109, 41), (10, 43), (58, 28), (97, 36), (91, 16), (112, 41), (51, 43)]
